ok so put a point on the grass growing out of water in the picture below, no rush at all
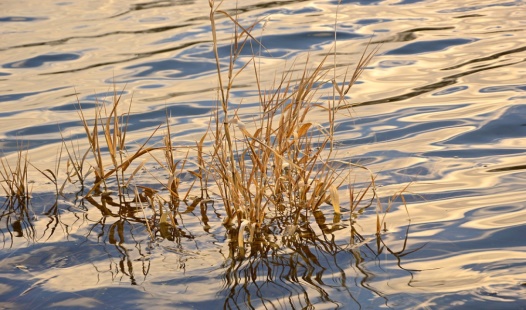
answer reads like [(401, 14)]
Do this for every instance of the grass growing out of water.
[(277, 169), (14, 179), (279, 166), (15, 210)]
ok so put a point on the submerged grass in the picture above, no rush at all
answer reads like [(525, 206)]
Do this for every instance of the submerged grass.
[(273, 172)]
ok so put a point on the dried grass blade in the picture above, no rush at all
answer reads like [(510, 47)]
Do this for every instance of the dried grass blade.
[(335, 199)]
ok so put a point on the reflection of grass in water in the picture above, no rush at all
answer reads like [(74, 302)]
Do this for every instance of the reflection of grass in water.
[(16, 213), (16, 221), (315, 270), (273, 175)]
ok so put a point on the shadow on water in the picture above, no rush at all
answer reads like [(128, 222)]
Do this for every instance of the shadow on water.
[(308, 270), (108, 238), (16, 220)]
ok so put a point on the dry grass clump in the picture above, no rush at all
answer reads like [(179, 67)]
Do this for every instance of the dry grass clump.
[(280, 164), (274, 170), (15, 211), (14, 179), (112, 127)]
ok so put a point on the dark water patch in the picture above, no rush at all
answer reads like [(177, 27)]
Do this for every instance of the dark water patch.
[(263, 5), (428, 46), (74, 106), (446, 81), (18, 19), (50, 133), (501, 266), (450, 90), (409, 35), (153, 5), (469, 16), (19, 96), (173, 68), (473, 153), (501, 88), (283, 45), (159, 4), (395, 63), (482, 6), (393, 118), (37, 297), (491, 237), (404, 2), (359, 2), (41, 257), (87, 37), (369, 135), (403, 36), (151, 86), (130, 59), (372, 21), (510, 168), (490, 57), (41, 60), (189, 279), (454, 238), (417, 172), (507, 126), (430, 226), (446, 195), (104, 96), (155, 19), (170, 95), (487, 211), (300, 11), (41, 134), (15, 97), (185, 35), (198, 108), (466, 301)]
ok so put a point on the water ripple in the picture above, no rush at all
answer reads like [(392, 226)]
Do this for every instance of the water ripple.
[(441, 105)]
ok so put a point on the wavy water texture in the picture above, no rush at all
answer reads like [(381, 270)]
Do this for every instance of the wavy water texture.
[(442, 105)]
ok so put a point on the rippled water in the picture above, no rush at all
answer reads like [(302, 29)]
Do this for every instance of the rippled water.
[(442, 105)]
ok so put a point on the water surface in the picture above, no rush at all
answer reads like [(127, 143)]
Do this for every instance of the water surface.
[(442, 105)]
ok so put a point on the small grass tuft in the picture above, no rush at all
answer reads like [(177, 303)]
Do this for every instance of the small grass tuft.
[(278, 164), (14, 179)]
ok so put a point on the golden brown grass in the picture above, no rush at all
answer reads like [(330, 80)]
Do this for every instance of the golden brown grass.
[(279, 162), (276, 167), (15, 211), (14, 178)]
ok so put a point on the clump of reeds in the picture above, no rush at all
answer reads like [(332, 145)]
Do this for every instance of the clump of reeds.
[(278, 164), (14, 178), (276, 167), (15, 211)]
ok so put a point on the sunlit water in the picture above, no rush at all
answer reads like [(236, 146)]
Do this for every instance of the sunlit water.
[(442, 105)]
